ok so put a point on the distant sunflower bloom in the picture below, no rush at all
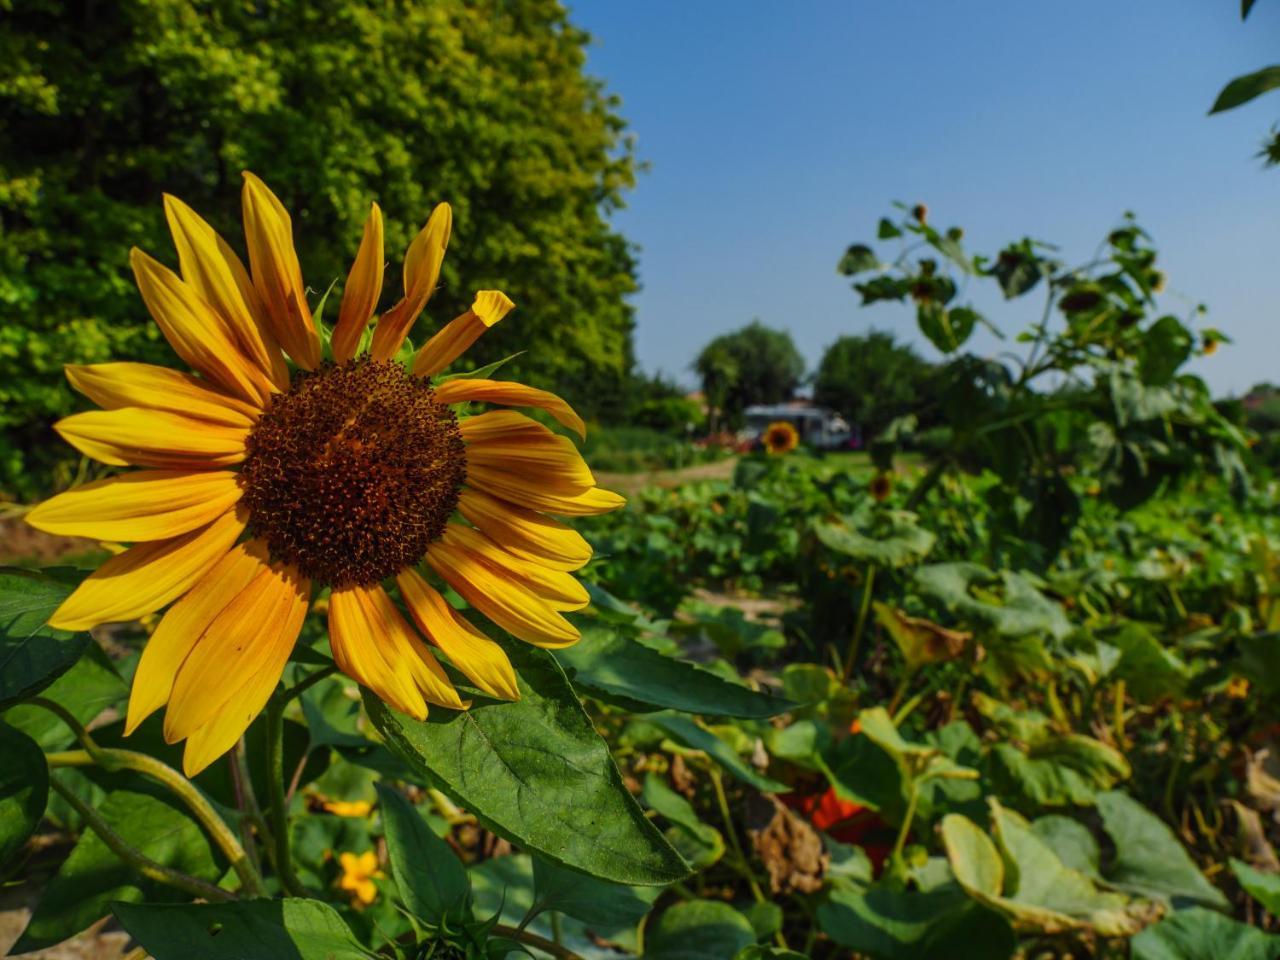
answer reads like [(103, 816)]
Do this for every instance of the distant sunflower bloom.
[(261, 482), (780, 437), (881, 486)]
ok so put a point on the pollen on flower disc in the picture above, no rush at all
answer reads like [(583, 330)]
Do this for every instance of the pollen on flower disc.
[(353, 472)]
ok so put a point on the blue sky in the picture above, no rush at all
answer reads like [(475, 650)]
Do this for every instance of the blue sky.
[(778, 133)]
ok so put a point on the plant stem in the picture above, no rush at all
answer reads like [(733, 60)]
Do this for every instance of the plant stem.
[(110, 758), (307, 682), (275, 795), (900, 843), (723, 802), (246, 802), (533, 940), (864, 605), (135, 858)]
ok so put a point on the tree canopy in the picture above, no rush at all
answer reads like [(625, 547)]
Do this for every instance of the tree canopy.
[(103, 107), (753, 365), (870, 379)]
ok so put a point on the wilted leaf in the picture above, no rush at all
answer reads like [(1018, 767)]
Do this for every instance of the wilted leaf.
[(921, 641)]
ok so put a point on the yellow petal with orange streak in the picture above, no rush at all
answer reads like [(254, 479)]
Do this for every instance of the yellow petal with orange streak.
[(506, 485), (502, 425), (482, 661), (153, 438), (506, 602), (407, 653), (146, 577), (196, 332), (555, 588), (210, 265), (277, 275), (142, 505), (183, 625), (362, 654), (457, 336), (510, 394), (553, 462), (115, 385), (525, 533), (364, 287), (249, 638), (422, 264)]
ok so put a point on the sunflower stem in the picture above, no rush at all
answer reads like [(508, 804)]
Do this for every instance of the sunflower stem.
[(868, 583), (307, 682), (275, 792), (533, 940), (136, 858), (110, 758)]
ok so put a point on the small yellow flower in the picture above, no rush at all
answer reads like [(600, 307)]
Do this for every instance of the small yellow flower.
[(358, 874), (349, 808), (1210, 346), (1237, 688), (780, 437)]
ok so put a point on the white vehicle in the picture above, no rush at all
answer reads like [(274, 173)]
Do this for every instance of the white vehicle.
[(819, 428)]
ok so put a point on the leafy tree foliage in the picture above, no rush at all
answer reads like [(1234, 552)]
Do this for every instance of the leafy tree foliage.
[(871, 379), (335, 104), (753, 365)]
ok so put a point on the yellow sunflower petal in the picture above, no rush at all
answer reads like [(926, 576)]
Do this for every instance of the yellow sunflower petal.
[(183, 624), (525, 533), (245, 645), (115, 385), (364, 287), (507, 441), (506, 602), (464, 390), (409, 654), (277, 276), (482, 661), (506, 485), (195, 331), (502, 425), (362, 651), (422, 264), (147, 576), (142, 505), (153, 438), (459, 334), (211, 267), (555, 588)]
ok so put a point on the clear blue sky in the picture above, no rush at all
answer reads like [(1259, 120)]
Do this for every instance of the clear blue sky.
[(778, 132)]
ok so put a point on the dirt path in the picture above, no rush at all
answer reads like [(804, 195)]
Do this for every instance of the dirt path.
[(633, 482)]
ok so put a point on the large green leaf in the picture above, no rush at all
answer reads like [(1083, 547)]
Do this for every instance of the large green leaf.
[(430, 877), (1071, 841), (1145, 665), (938, 924), (1006, 602), (698, 842), (24, 789), (887, 538), (1200, 934), (537, 773), (688, 733), (89, 687), (1149, 860), (699, 930), (92, 877), (613, 665), (32, 654), (292, 929), (1244, 88), (1263, 887), (597, 903)]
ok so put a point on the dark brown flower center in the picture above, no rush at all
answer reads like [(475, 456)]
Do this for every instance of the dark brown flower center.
[(353, 472)]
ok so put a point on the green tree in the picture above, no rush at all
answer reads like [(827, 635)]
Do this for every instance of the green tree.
[(871, 379), (753, 365), (485, 104)]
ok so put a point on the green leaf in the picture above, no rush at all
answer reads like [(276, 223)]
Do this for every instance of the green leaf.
[(1071, 840), (481, 373), (536, 773), (698, 930), (887, 229), (612, 665), (1057, 770), (24, 790), (32, 654), (857, 259), (892, 924), (699, 843), (291, 929), (92, 876), (1149, 860), (688, 733), (1005, 602), (1200, 934), (595, 902), (1244, 88), (1263, 887), (1151, 671), (89, 687), (428, 874), (890, 538)]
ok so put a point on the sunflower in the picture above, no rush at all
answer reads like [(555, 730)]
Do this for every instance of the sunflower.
[(264, 481), (881, 486), (780, 437)]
